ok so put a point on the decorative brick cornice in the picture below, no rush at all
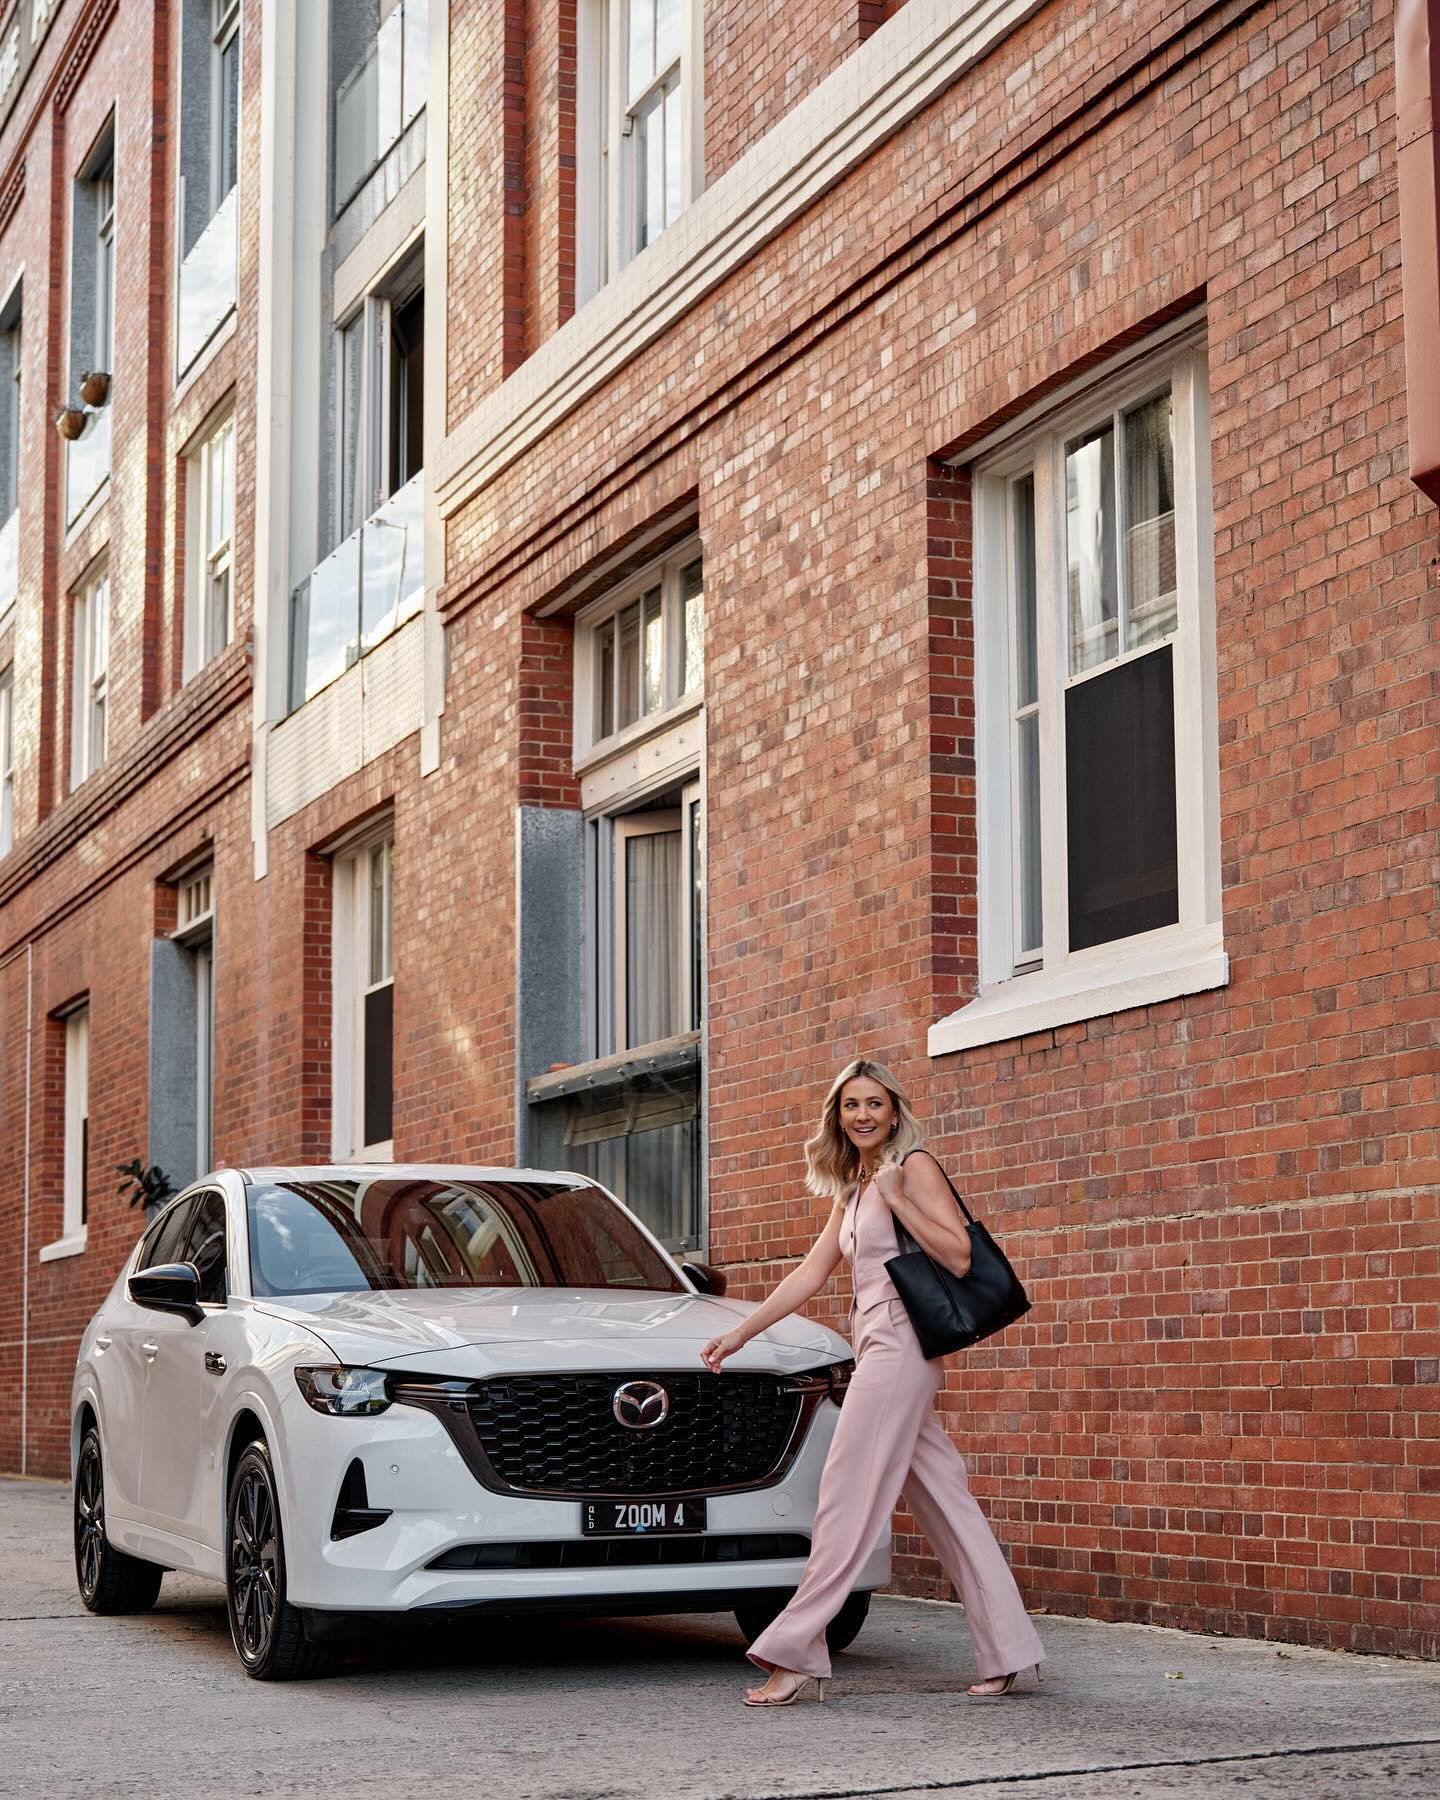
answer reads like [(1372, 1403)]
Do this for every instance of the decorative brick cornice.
[(81, 47), (12, 193)]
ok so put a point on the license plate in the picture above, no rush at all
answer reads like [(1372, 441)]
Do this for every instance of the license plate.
[(640, 1518)]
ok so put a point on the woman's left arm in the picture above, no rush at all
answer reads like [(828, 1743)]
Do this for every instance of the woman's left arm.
[(920, 1196)]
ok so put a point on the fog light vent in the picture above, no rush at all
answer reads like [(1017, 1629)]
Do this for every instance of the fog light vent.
[(353, 1511)]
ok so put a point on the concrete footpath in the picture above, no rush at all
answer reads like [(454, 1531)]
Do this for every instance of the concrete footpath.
[(630, 1709)]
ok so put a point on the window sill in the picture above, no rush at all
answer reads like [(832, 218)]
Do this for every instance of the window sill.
[(1091, 986), (74, 1245)]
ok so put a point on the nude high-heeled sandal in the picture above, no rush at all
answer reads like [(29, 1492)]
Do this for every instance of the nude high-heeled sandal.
[(807, 1687), (1007, 1687)]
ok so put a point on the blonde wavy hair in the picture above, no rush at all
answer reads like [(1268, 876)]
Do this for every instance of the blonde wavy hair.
[(832, 1163)]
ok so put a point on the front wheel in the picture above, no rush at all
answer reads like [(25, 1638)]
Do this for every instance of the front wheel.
[(268, 1633), (757, 1612), (109, 1581)]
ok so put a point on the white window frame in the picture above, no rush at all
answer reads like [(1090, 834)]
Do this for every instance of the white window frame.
[(350, 966), (605, 114), (209, 559), (676, 701), (373, 474), (7, 761), (104, 184), (1018, 994), (622, 829), (74, 1226), (90, 668)]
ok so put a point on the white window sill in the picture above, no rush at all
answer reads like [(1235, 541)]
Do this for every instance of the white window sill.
[(73, 1245), (1089, 986)]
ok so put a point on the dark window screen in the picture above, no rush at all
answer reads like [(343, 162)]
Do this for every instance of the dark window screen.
[(1120, 801), (205, 1247), (379, 1061)]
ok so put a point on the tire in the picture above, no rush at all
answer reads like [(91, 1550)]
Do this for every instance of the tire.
[(267, 1632), (110, 1582), (760, 1610)]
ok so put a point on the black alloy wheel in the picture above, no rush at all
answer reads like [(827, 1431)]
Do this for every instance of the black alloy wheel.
[(109, 1580), (268, 1633), (758, 1611)]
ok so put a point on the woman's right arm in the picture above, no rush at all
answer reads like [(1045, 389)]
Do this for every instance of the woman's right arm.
[(798, 1289)]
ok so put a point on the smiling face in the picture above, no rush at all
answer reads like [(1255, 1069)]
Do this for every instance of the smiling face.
[(867, 1115)]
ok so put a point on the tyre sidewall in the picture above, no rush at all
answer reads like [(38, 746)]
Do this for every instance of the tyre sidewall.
[(90, 1441), (255, 1457)]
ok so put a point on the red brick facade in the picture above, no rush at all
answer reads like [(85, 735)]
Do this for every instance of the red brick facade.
[(1222, 1411)]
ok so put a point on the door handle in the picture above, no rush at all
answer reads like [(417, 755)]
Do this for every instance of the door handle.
[(151, 1351), (214, 1362), (102, 1343)]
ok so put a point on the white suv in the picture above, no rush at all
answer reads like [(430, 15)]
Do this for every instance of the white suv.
[(354, 1391)]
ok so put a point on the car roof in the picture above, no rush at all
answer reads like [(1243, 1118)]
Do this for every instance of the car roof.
[(409, 1172)]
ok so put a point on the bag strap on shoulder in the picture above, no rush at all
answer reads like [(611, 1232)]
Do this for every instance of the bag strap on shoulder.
[(948, 1182)]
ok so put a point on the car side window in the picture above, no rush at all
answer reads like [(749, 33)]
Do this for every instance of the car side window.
[(204, 1246), (163, 1240)]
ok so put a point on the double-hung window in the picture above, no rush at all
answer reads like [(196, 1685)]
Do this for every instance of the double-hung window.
[(76, 1208), (209, 170), (7, 761), (209, 620), (92, 324), (364, 998), (639, 124), (195, 931), (1096, 727), (90, 667)]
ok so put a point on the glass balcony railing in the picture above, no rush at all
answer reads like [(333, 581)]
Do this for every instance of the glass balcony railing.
[(380, 97), (365, 589), (87, 463), (207, 283), (9, 559)]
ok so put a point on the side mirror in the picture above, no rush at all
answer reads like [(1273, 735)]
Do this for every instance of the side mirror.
[(708, 1280), (168, 1288)]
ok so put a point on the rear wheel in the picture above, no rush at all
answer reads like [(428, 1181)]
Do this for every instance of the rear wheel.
[(267, 1631), (759, 1611), (109, 1580)]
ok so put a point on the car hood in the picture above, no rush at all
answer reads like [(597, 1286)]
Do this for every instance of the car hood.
[(468, 1332)]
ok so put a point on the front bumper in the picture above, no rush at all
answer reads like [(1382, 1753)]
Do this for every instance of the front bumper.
[(414, 1472)]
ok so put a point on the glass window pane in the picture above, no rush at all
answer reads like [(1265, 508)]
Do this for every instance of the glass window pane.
[(672, 153), (649, 170), (1150, 522), (388, 101), (697, 916), (1027, 688), (692, 625), (654, 649), (1092, 580), (667, 32), (642, 45), (381, 869), (379, 1055), (229, 117), (652, 937), (1120, 801), (605, 677), (1027, 744), (629, 653), (417, 56), (215, 500), (352, 350)]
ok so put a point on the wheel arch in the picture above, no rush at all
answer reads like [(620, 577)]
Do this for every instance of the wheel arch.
[(87, 1413)]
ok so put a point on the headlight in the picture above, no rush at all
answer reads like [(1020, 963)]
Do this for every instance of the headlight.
[(840, 1374), (333, 1389), (830, 1382)]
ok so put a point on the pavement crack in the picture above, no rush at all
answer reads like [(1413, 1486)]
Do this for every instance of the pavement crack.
[(1124, 1768)]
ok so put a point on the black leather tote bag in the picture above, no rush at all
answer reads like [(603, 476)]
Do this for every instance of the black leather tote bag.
[(951, 1312)]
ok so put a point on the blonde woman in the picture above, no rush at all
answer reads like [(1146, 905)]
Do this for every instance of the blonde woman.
[(867, 1157)]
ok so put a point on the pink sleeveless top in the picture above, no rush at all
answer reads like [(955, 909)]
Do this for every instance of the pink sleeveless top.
[(867, 1239)]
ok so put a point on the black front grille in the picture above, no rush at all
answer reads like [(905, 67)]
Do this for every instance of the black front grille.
[(558, 1434), (627, 1553)]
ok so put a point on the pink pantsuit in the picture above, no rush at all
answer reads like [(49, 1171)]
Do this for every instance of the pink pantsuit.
[(889, 1438)]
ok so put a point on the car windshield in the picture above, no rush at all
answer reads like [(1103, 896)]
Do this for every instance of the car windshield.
[(343, 1236)]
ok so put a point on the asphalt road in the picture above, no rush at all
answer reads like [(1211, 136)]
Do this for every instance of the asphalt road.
[(649, 1709)]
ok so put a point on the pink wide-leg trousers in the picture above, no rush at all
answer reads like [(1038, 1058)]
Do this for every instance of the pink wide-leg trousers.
[(888, 1439)]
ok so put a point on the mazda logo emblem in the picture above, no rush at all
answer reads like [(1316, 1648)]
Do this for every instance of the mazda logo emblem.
[(639, 1405)]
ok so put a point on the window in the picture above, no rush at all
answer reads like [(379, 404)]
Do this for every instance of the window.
[(374, 578), (7, 761), (166, 1238), (209, 170), (364, 965), (639, 124), (77, 1121), (655, 862), (92, 323), (10, 416), (204, 1247), (378, 60), (195, 930), (209, 622), (1096, 703), (90, 663), (642, 652)]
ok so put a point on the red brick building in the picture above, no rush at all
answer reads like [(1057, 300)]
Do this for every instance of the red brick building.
[(643, 548)]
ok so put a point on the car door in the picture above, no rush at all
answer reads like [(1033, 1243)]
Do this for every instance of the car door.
[(175, 1457), (125, 1344)]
